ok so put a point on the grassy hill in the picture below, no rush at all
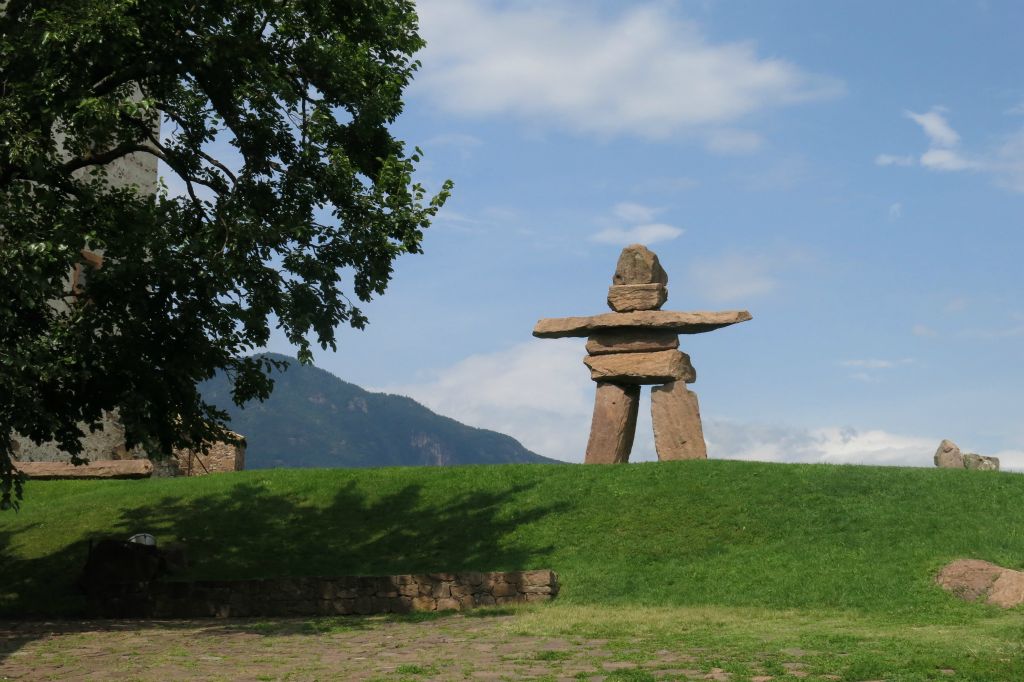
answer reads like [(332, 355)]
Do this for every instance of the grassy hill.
[(314, 419), (686, 534)]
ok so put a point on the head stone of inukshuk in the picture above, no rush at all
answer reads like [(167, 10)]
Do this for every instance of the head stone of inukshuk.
[(638, 344)]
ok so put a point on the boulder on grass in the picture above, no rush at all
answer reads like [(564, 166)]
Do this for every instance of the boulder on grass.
[(980, 462), (948, 456)]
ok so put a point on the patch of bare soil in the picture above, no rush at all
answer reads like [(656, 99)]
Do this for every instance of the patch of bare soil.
[(973, 579), (455, 647)]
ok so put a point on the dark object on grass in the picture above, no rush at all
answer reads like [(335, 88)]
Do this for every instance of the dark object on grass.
[(119, 562)]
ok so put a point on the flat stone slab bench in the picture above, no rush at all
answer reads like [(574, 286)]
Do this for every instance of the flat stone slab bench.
[(105, 468), (321, 596)]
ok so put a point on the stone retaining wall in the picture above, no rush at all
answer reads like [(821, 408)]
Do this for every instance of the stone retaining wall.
[(322, 596)]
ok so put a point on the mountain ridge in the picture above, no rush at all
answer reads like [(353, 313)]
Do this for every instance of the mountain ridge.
[(316, 419)]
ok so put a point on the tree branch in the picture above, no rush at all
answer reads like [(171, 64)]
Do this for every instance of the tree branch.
[(168, 111), (103, 158)]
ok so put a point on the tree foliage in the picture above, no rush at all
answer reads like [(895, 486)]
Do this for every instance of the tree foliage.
[(289, 187)]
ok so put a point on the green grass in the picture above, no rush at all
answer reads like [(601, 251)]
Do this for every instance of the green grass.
[(826, 644), (723, 533), (413, 669)]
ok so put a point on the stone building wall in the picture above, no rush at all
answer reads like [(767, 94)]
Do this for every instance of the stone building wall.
[(138, 170), (108, 443), (221, 457)]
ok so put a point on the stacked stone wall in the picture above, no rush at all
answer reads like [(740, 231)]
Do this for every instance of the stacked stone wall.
[(346, 595)]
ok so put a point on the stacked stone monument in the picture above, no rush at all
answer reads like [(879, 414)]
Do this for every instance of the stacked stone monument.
[(636, 345)]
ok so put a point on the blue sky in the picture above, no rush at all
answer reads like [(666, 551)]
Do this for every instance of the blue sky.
[(850, 172)]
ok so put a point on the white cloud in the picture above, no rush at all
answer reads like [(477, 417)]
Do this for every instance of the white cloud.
[(892, 160), (875, 363), (639, 234), (923, 330), (1010, 460), (730, 141), (634, 213), (641, 72), (830, 445), (538, 392), (870, 363), (1004, 163), (1009, 162), (666, 184), (646, 232), (957, 304), (895, 211), (936, 127), (733, 277), (462, 143), (785, 174), (730, 439), (994, 334), (450, 219), (942, 154), (868, 368), (947, 160)]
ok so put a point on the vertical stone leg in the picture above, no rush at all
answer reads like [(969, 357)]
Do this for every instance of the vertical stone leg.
[(614, 424), (676, 417)]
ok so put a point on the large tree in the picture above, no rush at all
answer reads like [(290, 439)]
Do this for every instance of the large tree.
[(290, 190)]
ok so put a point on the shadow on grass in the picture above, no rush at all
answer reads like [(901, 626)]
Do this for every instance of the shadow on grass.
[(251, 531), (14, 635)]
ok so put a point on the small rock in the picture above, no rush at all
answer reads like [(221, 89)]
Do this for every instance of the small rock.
[(980, 462), (449, 605), (639, 265), (948, 456), (625, 298)]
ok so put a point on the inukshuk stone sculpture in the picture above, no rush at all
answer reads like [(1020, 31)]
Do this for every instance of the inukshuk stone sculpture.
[(638, 344)]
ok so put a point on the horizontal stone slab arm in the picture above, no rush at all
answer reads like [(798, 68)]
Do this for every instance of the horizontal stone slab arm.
[(663, 320)]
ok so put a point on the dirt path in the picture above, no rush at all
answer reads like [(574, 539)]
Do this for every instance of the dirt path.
[(449, 648)]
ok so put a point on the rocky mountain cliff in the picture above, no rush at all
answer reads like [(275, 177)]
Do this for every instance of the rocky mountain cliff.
[(314, 419)]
